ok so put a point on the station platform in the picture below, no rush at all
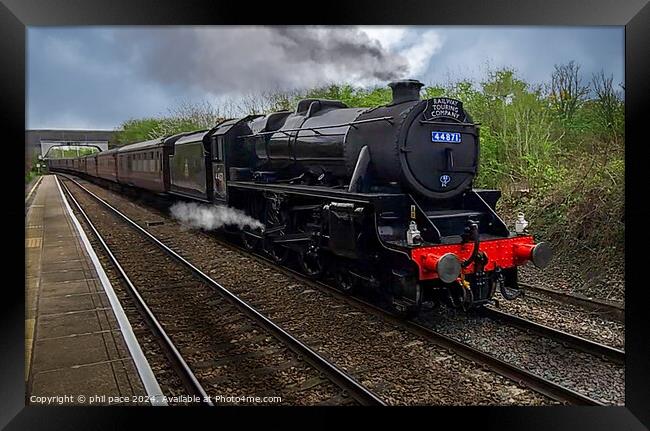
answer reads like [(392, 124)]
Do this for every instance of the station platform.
[(78, 342)]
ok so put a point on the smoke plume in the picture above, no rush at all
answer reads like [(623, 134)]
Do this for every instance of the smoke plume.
[(211, 217), (251, 58)]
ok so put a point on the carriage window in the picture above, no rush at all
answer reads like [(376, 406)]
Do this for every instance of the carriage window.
[(217, 149)]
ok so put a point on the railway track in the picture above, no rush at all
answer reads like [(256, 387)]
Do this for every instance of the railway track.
[(574, 341), (607, 309), (179, 364), (342, 380), (518, 374)]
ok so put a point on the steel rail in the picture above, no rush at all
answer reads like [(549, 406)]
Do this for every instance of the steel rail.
[(608, 308), (360, 393), (183, 370), (580, 343)]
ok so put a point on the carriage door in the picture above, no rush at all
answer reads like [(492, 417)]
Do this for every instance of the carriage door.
[(218, 169)]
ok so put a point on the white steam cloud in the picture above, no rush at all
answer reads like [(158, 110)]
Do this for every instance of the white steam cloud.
[(211, 217)]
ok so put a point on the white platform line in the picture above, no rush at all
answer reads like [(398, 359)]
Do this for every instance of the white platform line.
[(142, 365)]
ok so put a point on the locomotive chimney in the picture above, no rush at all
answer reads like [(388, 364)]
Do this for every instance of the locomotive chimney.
[(405, 90)]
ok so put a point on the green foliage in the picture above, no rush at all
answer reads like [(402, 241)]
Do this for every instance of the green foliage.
[(136, 130), (184, 117), (608, 108), (72, 151), (33, 173), (351, 96), (580, 207), (34, 170), (518, 139)]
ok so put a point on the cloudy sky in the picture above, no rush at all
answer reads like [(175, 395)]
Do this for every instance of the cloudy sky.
[(97, 77)]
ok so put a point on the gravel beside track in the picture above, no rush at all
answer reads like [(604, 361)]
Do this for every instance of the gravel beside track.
[(600, 379), (400, 367), (565, 275), (567, 317)]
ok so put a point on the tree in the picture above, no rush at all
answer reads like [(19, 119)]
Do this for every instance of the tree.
[(136, 130), (187, 117), (567, 90), (608, 104)]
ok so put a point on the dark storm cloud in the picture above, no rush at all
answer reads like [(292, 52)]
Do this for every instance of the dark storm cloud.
[(252, 58)]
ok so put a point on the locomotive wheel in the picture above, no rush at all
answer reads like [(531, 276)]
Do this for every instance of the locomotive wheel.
[(345, 282), (311, 263), (278, 253), (411, 311), (249, 241)]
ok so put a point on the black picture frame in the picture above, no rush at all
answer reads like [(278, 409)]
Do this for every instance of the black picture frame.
[(16, 15)]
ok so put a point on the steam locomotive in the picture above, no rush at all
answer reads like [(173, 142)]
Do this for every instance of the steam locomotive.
[(378, 197)]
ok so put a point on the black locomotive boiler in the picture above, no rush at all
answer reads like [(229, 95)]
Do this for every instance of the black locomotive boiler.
[(379, 197)]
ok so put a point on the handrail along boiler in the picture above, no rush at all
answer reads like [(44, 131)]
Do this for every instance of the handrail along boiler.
[(380, 197)]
